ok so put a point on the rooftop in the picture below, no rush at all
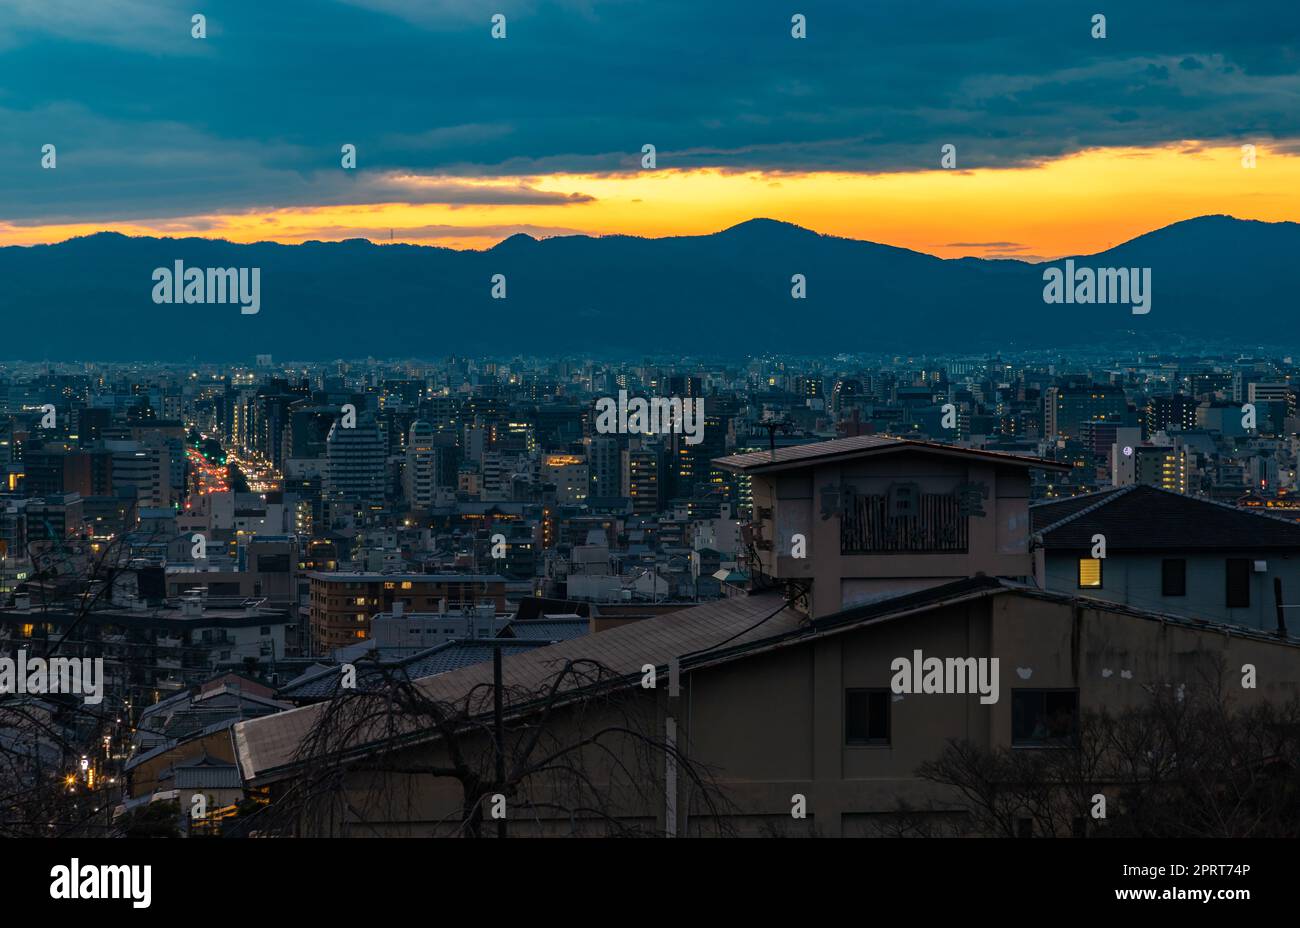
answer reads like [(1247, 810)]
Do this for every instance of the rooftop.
[(1140, 517), (709, 634), (451, 655), (342, 577), (845, 449)]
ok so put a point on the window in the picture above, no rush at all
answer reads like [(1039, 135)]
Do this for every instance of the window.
[(1238, 591), (1173, 577), (866, 716), (1044, 717), (1089, 573)]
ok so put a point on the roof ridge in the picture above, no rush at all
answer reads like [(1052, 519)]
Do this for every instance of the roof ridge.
[(1111, 494)]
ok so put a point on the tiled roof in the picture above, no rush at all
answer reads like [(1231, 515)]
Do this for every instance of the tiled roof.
[(206, 773), (345, 577), (1140, 517), (450, 655), (547, 629), (862, 446), (265, 745), (708, 634), (1050, 512)]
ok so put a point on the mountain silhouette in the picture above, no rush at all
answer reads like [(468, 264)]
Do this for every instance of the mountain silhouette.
[(725, 294)]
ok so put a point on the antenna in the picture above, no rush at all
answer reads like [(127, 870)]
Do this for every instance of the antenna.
[(773, 426)]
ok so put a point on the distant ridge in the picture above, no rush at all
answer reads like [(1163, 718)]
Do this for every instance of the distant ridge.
[(726, 293)]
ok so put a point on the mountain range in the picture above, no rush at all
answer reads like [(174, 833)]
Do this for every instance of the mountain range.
[(723, 294)]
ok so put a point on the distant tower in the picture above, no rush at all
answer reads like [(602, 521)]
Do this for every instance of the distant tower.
[(420, 476)]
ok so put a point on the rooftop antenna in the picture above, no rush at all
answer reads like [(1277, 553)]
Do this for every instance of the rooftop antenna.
[(773, 426)]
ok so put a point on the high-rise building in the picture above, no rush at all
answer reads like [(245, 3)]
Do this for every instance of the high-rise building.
[(643, 474), (1066, 409), (1165, 412), (420, 475), (606, 466), (355, 463)]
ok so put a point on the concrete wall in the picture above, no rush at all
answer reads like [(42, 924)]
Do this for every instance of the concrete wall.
[(1135, 579)]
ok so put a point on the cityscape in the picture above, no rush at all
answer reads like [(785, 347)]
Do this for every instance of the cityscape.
[(237, 542), (589, 419)]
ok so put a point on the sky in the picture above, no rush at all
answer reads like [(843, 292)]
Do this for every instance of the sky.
[(1064, 143)]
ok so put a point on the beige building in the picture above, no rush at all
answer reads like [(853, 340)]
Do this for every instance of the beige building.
[(856, 519)]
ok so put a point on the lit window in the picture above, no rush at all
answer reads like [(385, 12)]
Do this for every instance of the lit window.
[(1089, 572)]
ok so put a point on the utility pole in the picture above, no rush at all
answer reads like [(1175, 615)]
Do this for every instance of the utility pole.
[(1277, 599), (498, 725)]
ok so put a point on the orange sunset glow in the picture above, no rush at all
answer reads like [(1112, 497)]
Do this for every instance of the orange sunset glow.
[(1078, 204)]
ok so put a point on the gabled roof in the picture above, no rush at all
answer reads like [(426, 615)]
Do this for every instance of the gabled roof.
[(706, 635), (1140, 517), (843, 449), (263, 749), (206, 772)]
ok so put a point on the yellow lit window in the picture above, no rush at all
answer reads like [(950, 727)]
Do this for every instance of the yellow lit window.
[(406, 584), (1089, 572)]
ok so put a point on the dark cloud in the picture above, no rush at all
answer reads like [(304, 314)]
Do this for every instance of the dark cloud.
[(150, 122)]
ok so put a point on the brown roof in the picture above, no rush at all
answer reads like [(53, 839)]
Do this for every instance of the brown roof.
[(822, 452), (270, 744)]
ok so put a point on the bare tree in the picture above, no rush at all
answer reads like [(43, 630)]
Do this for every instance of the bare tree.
[(580, 753), (1187, 763)]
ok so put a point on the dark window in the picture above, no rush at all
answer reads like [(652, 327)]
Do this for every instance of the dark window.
[(1173, 577), (866, 716), (273, 563), (1048, 717), (1238, 592)]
